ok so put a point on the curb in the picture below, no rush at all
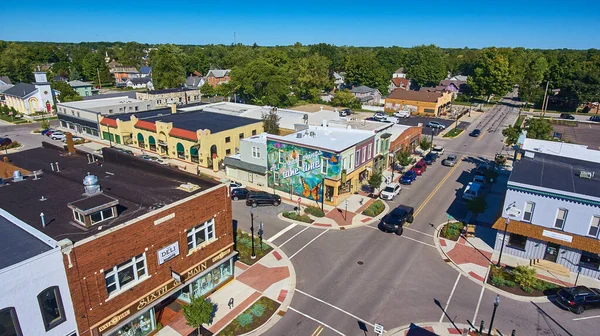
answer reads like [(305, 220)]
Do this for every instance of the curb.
[(405, 327), (11, 150)]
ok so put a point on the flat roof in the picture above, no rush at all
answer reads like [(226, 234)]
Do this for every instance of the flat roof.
[(16, 244), (169, 90), (366, 125), (97, 103), (140, 115), (196, 120), (557, 173), (328, 138), (139, 186)]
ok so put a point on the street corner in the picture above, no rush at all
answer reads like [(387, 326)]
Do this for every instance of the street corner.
[(430, 329)]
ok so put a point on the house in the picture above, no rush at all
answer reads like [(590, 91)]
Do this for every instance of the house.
[(166, 97), (460, 78), (140, 83), (31, 98), (60, 79), (194, 82), (439, 88), (250, 163), (399, 73), (124, 227), (122, 74), (399, 83), (367, 95), (454, 86), (145, 71), (83, 89), (4, 80), (550, 212), (338, 80), (419, 102), (215, 77)]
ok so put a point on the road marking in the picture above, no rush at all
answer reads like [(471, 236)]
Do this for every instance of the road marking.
[(305, 245), (332, 306), (586, 318), (317, 331), (280, 233), (438, 186), (481, 135), (423, 233), (450, 298), (314, 319), (413, 239), (481, 295), (294, 236)]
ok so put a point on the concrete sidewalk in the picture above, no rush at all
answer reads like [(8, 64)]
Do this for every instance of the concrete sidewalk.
[(439, 329)]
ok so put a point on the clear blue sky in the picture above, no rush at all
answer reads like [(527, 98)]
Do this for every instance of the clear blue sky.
[(527, 23)]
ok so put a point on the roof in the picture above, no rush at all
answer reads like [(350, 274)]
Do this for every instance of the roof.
[(337, 75), (145, 70), (328, 138), (396, 130), (574, 151), (556, 173), (124, 95), (184, 134), (76, 120), (141, 80), (401, 82), (78, 83), (60, 78), (366, 125), (425, 96), (5, 79), (218, 73), (200, 120), (193, 81), (21, 90), (460, 78), (125, 69), (459, 84), (362, 89), (236, 162), (121, 176), (147, 125), (181, 89), (438, 88), (16, 244), (139, 115), (399, 70), (5, 87), (99, 103)]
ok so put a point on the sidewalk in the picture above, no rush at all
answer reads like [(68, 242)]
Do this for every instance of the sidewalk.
[(273, 276), (435, 328)]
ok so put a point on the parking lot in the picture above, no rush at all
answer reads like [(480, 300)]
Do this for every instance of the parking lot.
[(584, 134)]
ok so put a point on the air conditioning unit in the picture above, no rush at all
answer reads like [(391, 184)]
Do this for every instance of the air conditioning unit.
[(586, 174)]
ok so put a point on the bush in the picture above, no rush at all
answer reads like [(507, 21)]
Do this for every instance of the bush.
[(452, 231), (527, 289), (498, 281), (509, 283), (294, 216), (257, 310), (315, 211), (13, 144), (544, 285), (525, 276), (368, 212), (374, 209), (244, 319), (245, 241)]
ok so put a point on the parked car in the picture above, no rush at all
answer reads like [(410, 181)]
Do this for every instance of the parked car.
[(479, 179), (379, 116), (257, 198), (437, 149), (482, 169), (420, 167), (394, 221), (436, 124), (5, 142), (430, 158), (239, 193), (450, 160), (567, 116), (402, 114), (475, 133), (345, 112), (595, 118), (408, 177), (43, 132), (49, 132), (390, 191), (58, 136), (471, 191), (578, 299), (234, 184), (75, 138)]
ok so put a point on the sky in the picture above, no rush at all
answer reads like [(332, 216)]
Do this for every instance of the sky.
[(546, 24)]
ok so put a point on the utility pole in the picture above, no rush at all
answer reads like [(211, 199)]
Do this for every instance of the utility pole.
[(234, 40), (99, 82), (544, 101)]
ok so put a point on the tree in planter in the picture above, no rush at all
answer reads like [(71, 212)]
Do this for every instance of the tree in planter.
[(425, 143), (512, 134), (375, 180), (198, 312), (525, 276), (45, 124), (271, 122), (404, 157), (477, 205)]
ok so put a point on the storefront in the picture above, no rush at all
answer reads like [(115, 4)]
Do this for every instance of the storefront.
[(139, 319)]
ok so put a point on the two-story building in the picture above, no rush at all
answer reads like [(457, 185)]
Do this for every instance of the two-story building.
[(123, 73), (419, 102), (552, 206), (82, 88), (367, 95), (167, 97), (217, 76), (250, 164)]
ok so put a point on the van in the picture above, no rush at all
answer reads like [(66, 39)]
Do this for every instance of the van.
[(471, 191)]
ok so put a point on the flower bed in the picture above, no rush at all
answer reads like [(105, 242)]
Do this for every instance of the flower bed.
[(452, 231), (13, 144), (244, 248), (374, 209), (453, 133), (315, 211), (255, 316), (520, 281), (293, 215)]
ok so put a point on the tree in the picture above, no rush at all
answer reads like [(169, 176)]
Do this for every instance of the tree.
[(196, 61), (262, 83), (45, 124), (271, 122), (310, 75), (198, 312), (131, 54), (404, 157), (93, 65), (425, 65), (67, 93), (167, 70), (512, 134), (477, 205), (345, 98), (376, 179), (207, 90), (362, 68), (538, 128), (491, 75), (532, 77), (16, 63), (425, 143), (391, 59)]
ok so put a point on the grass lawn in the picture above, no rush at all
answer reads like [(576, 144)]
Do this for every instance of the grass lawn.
[(519, 121), (8, 118), (244, 247), (255, 316), (452, 231), (453, 133)]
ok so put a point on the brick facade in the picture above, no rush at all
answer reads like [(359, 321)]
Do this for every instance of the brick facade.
[(214, 81), (408, 137), (91, 257), (180, 97)]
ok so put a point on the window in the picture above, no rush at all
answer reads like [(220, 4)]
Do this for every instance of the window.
[(202, 233), (110, 111), (227, 139), (300, 160), (51, 307), (281, 157), (350, 161), (323, 165), (364, 154), (241, 135), (590, 260), (528, 213), (227, 151), (180, 100), (253, 132), (130, 108), (369, 151), (256, 152), (78, 115), (78, 217), (9, 323), (344, 163), (276, 178), (561, 216), (594, 227), (137, 108), (102, 215), (429, 110), (127, 273), (376, 146), (358, 157), (517, 241)]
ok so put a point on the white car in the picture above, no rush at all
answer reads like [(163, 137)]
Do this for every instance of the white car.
[(437, 149), (379, 116), (234, 184), (75, 138), (390, 191), (58, 136), (402, 114)]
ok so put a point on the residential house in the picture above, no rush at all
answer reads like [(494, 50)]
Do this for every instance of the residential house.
[(4, 80), (83, 89), (419, 102), (216, 76), (194, 82), (454, 86), (338, 80), (145, 71), (249, 164), (460, 78), (31, 98), (367, 95), (60, 79), (166, 97), (140, 83), (399, 83), (123, 73), (399, 73)]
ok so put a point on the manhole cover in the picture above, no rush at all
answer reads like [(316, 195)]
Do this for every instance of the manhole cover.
[(360, 262)]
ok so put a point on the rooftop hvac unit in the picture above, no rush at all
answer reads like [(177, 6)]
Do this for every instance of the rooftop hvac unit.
[(298, 135), (586, 174), (313, 134)]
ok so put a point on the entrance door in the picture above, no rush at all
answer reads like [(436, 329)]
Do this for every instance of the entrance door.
[(551, 252)]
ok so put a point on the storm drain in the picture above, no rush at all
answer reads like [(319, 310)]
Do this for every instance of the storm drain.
[(360, 262)]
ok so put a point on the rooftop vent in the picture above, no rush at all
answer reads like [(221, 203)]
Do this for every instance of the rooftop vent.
[(586, 174), (91, 185), (189, 187), (313, 134), (17, 176)]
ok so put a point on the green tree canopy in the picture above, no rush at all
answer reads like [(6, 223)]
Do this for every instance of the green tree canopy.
[(404, 157), (362, 68), (271, 122), (309, 76), (375, 179), (16, 63), (538, 128), (345, 98), (131, 54), (425, 65), (198, 312), (67, 93), (93, 65), (262, 83), (167, 70), (491, 75)]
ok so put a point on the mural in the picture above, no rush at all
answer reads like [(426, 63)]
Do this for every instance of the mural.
[(299, 170)]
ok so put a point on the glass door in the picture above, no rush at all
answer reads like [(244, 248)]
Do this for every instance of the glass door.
[(551, 252)]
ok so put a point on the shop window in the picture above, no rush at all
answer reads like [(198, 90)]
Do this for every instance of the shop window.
[(561, 216), (517, 241), (300, 160), (369, 152), (429, 110), (253, 132), (590, 260), (63, 124), (323, 166), (528, 213), (127, 273), (227, 139), (102, 215), (51, 307), (201, 234), (208, 281), (594, 226), (140, 326), (9, 323)]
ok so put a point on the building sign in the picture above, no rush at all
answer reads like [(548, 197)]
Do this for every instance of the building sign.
[(557, 236), (114, 321), (167, 253)]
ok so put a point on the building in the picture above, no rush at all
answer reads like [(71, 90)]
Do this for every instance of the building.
[(34, 297), (250, 164), (216, 77), (146, 71), (399, 73), (31, 98), (199, 137), (403, 137), (419, 102), (140, 83), (320, 162), (194, 82), (82, 117), (454, 86), (83, 89), (399, 83), (123, 73), (460, 78), (166, 97), (367, 95), (552, 207), (135, 236), (4, 80), (338, 80)]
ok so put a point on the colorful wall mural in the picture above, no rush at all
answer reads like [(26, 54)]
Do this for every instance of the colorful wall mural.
[(299, 170)]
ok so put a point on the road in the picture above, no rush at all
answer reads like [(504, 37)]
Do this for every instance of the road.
[(23, 134), (348, 280)]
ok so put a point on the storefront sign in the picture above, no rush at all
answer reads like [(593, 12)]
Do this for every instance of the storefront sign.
[(168, 253), (557, 236), (204, 265), (114, 321)]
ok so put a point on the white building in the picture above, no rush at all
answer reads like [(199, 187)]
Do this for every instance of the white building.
[(31, 98), (34, 296), (250, 163)]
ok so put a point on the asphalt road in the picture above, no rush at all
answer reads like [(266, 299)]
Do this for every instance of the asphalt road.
[(22, 134), (348, 280)]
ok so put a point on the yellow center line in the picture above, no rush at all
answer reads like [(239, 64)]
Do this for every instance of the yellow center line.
[(438, 186), (481, 135), (317, 331)]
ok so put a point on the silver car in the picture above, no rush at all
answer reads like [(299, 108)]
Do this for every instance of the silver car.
[(450, 160)]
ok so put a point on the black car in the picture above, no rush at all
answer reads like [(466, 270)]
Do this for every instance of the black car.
[(5, 142), (595, 118), (567, 116), (578, 299), (430, 158), (393, 221), (476, 132), (345, 112), (239, 193), (260, 197)]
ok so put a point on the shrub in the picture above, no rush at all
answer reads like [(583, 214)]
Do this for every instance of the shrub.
[(527, 289), (498, 281), (244, 319), (257, 310), (315, 211), (525, 276), (244, 241), (509, 283), (264, 246), (37, 131), (496, 271), (543, 285), (374, 209), (368, 212), (294, 216)]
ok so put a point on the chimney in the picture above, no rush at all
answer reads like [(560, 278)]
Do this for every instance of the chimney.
[(70, 143), (324, 123), (173, 108)]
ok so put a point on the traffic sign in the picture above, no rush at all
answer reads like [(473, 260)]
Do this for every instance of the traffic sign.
[(378, 328), (299, 200)]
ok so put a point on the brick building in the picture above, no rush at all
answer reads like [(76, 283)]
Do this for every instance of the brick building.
[(216, 77), (177, 96), (135, 236), (404, 137)]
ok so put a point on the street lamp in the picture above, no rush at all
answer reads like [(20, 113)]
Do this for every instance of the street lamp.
[(253, 256), (511, 212), (496, 303)]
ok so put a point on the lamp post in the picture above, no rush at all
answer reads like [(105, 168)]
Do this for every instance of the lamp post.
[(496, 303), (511, 212), (253, 256), (503, 241)]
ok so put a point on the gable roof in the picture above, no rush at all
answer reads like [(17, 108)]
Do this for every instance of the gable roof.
[(193, 80), (21, 90), (78, 83), (219, 73), (462, 78), (400, 82), (458, 84), (5, 80), (337, 75), (400, 70), (145, 70), (125, 69), (362, 89), (426, 96), (142, 80)]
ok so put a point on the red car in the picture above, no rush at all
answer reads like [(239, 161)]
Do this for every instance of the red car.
[(420, 167)]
